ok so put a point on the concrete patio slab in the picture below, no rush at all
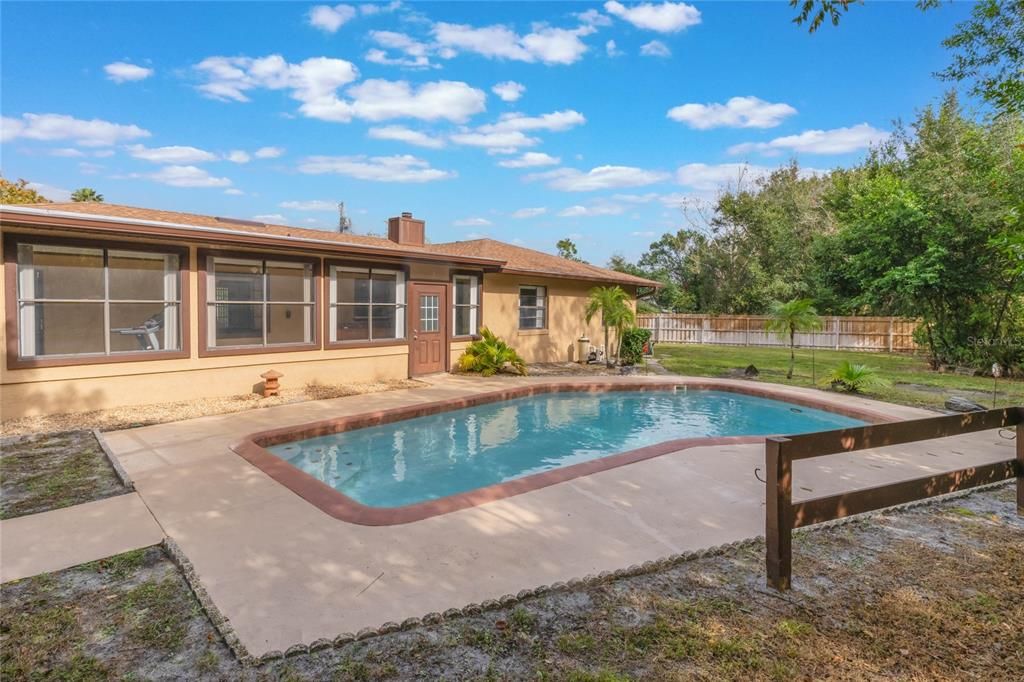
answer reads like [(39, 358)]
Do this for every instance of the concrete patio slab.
[(50, 541), (283, 572)]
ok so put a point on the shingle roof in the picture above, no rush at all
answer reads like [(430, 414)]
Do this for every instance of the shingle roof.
[(515, 258), (522, 260)]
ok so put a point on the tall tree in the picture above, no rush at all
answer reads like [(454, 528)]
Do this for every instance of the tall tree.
[(18, 192), (567, 249), (612, 303), (798, 315), (86, 194)]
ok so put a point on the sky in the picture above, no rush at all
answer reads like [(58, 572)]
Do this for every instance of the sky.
[(527, 122)]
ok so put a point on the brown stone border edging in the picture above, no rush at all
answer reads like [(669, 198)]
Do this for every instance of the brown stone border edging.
[(344, 508)]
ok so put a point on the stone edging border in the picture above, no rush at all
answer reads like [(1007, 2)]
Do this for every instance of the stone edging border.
[(126, 480), (508, 600)]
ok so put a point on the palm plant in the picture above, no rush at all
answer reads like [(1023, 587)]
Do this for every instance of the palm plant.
[(86, 194), (855, 378), (613, 304), (798, 315), (489, 355)]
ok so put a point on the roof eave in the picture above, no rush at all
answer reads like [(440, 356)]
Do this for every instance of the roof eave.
[(589, 278)]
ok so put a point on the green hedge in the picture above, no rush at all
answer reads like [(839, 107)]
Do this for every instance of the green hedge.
[(633, 340)]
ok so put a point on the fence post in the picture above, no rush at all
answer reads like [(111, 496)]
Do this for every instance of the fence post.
[(657, 328), (835, 321), (891, 323), (778, 531)]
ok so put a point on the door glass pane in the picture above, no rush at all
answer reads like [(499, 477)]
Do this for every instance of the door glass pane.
[(287, 281), (353, 323), (239, 324), (64, 329), (141, 326), (429, 313), (140, 276), (384, 321), (239, 281), (62, 272), (288, 323), (353, 287)]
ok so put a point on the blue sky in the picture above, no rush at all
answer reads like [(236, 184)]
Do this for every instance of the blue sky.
[(525, 121)]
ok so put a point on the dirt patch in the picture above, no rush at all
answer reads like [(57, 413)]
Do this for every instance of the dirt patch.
[(51, 471), (549, 369), (144, 415), (932, 593)]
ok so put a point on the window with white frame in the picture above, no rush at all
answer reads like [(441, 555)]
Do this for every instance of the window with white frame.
[(96, 301), (366, 304), (258, 302), (466, 305), (532, 307)]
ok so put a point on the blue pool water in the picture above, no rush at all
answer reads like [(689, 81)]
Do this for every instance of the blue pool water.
[(426, 458)]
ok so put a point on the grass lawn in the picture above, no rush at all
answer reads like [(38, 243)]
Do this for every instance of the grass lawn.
[(928, 593), (51, 471), (911, 382)]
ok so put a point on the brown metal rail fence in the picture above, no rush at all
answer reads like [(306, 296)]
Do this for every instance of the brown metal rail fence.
[(782, 515)]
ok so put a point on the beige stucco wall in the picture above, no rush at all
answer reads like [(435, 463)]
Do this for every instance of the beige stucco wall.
[(567, 304)]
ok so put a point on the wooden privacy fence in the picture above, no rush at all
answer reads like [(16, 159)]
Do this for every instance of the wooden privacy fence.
[(782, 515), (893, 334)]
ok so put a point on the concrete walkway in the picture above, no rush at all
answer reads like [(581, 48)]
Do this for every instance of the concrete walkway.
[(285, 573), (50, 541)]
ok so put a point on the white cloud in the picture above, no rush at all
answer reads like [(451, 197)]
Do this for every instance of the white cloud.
[(417, 54), (834, 141), (593, 18), (502, 141), (234, 192), (185, 176), (612, 50), (544, 44), (377, 100), (122, 72), (643, 233), (472, 222), (579, 211), (88, 168), (50, 127), (403, 134), (601, 177), (556, 121), (67, 152), (330, 19), (509, 91), (668, 17), (738, 112), (636, 198), (314, 205), (238, 156), (531, 160), (655, 48), (271, 218), (174, 154), (707, 178), (372, 8), (404, 168), (268, 152), (529, 212), (50, 192), (315, 82)]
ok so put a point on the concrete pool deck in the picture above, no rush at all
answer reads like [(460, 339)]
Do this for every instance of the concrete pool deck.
[(284, 573)]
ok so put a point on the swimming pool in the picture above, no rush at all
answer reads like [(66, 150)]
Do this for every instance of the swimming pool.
[(417, 460)]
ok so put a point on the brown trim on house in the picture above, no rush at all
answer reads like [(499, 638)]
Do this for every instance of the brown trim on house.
[(10, 260), (589, 278), (209, 235), (202, 305), (368, 265), (341, 507)]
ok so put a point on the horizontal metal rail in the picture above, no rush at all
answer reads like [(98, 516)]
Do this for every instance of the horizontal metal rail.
[(782, 515)]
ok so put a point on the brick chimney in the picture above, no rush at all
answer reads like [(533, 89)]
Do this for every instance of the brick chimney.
[(406, 230)]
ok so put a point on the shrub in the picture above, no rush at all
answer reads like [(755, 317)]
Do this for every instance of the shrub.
[(854, 378), (489, 355), (631, 350)]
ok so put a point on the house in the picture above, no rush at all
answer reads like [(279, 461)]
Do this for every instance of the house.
[(111, 305)]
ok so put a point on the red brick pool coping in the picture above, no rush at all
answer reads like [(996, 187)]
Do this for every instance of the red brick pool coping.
[(338, 505)]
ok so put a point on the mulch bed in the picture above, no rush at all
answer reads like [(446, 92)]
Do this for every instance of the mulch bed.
[(51, 471)]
